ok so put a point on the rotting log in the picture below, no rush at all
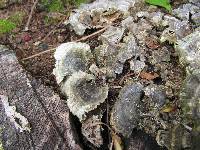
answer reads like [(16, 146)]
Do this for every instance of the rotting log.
[(46, 112)]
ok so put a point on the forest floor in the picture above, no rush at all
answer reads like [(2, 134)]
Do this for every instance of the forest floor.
[(45, 28)]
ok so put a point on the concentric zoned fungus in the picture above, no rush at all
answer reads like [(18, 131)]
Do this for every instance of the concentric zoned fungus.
[(71, 57), (83, 93), (125, 113)]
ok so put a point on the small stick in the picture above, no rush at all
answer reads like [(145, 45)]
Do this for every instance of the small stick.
[(107, 118), (30, 16), (91, 35), (81, 39), (49, 50), (101, 123), (124, 77), (54, 29)]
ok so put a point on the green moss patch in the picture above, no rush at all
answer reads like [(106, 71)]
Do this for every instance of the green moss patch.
[(78, 2), (6, 26), (17, 17), (53, 5)]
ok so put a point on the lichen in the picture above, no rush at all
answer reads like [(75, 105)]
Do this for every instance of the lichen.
[(190, 98), (185, 10), (157, 95), (22, 124), (113, 56), (176, 31), (142, 73)]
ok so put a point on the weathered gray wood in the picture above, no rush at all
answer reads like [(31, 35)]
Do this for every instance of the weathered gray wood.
[(47, 114)]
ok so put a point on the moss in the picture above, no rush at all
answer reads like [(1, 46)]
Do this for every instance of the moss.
[(3, 3), (53, 5), (6, 26), (59, 5), (56, 5), (17, 17), (51, 20), (78, 2)]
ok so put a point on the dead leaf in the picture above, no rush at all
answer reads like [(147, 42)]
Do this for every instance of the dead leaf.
[(168, 108), (116, 141), (111, 18), (148, 76), (152, 43)]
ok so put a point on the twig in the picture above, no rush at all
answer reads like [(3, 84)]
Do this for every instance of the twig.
[(30, 16), (32, 56), (107, 118), (52, 31), (124, 77), (111, 146), (81, 39), (101, 123), (91, 35)]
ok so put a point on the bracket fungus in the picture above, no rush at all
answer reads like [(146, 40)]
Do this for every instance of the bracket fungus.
[(177, 137), (98, 14), (190, 98), (144, 74), (71, 57), (189, 51), (125, 113), (83, 93)]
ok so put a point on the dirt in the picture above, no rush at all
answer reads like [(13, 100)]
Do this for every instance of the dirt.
[(23, 42)]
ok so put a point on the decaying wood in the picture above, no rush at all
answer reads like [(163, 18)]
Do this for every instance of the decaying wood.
[(46, 113)]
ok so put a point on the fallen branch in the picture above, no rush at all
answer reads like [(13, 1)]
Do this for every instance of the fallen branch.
[(78, 40), (30, 15)]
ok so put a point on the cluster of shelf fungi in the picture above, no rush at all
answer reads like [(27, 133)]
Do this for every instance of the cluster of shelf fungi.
[(143, 75)]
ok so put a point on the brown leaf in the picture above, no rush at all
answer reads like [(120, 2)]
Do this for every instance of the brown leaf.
[(117, 141), (169, 108), (152, 43), (148, 76)]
